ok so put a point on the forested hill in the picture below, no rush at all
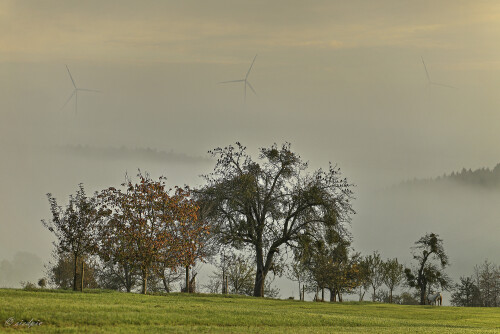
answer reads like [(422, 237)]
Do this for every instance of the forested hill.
[(482, 178)]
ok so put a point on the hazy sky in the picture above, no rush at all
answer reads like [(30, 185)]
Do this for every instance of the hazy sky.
[(343, 81)]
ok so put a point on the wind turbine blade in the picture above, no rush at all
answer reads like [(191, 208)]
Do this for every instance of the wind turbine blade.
[(426, 73), (442, 85), (89, 90), (73, 81), (246, 76), (65, 103), (253, 90), (231, 81)]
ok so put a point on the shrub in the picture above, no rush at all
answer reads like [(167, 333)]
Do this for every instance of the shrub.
[(42, 283)]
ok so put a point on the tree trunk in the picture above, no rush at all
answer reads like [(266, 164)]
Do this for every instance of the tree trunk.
[(390, 296), (303, 292), (322, 294), (422, 295), (144, 281), (187, 279), (340, 296), (224, 290), (165, 284), (128, 279), (333, 295), (361, 293), (75, 272), (83, 272), (262, 269), (373, 297), (260, 276)]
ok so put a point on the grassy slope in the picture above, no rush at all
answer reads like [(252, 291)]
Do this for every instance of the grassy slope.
[(126, 313)]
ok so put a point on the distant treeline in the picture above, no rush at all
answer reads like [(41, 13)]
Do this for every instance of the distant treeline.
[(483, 177), (142, 154)]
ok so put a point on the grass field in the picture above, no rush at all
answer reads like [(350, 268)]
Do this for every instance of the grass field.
[(110, 312)]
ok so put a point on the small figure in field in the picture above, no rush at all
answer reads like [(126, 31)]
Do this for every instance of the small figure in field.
[(435, 299)]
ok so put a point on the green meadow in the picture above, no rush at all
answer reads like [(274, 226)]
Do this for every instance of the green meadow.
[(99, 311)]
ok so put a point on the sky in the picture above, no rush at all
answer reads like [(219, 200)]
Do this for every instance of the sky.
[(342, 81)]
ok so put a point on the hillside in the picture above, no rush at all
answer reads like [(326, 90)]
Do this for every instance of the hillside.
[(110, 312)]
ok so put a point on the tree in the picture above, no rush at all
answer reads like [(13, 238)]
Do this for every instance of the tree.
[(61, 272), (393, 275), (116, 240), (168, 277), (238, 271), (345, 276), (74, 228), (325, 257), (466, 293), (375, 276), (314, 256), (117, 276), (362, 282), (148, 229), (192, 231), (488, 284), (268, 204), (428, 248), (298, 273)]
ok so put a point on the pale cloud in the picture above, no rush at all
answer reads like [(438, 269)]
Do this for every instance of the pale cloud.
[(157, 31)]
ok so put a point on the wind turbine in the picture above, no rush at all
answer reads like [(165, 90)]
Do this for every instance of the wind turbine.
[(245, 80), (75, 92), (430, 82)]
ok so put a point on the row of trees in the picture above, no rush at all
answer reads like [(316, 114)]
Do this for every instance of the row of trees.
[(141, 229), (261, 211), (108, 275), (328, 262), (266, 207)]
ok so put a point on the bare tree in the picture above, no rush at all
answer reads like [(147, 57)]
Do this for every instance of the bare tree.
[(296, 272), (375, 277), (393, 275)]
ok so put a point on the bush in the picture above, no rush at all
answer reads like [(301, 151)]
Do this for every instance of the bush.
[(407, 298), (28, 286)]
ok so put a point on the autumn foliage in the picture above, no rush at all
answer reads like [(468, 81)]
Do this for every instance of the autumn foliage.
[(146, 228)]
